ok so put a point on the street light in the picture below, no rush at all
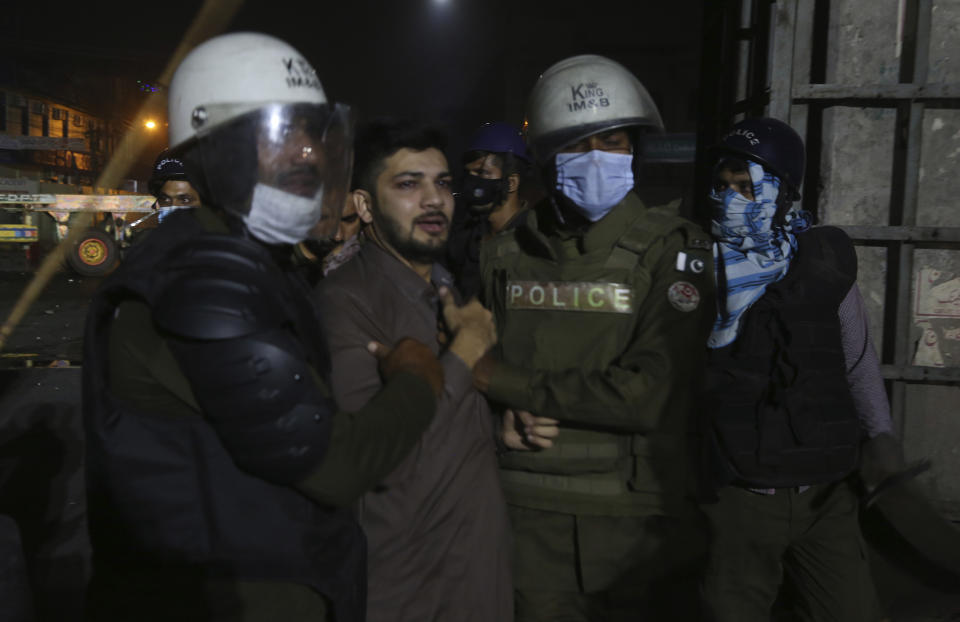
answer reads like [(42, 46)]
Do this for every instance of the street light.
[(150, 124)]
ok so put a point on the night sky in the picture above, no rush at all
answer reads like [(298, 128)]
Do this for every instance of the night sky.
[(456, 62)]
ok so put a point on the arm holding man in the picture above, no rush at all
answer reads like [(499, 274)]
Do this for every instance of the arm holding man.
[(519, 429)]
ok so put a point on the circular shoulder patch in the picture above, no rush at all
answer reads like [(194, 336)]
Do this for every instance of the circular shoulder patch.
[(683, 296)]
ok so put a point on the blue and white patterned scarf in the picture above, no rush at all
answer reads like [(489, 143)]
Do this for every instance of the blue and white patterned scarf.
[(749, 249)]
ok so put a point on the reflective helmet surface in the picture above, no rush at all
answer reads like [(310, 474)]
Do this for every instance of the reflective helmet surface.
[(583, 95), (499, 137), (253, 126), (771, 143), (231, 75)]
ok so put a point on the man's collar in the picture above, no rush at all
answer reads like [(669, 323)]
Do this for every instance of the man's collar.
[(405, 279)]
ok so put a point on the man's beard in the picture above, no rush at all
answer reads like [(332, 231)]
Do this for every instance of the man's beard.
[(404, 243)]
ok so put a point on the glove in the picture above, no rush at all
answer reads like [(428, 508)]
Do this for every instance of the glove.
[(409, 355)]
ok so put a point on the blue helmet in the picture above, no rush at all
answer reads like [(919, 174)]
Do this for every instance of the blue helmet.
[(499, 137), (772, 144)]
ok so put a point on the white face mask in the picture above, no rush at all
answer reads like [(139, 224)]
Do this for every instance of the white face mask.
[(595, 181), (278, 217)]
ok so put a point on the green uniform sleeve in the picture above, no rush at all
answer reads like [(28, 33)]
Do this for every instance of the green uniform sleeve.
[(658, 371), (367, 445)]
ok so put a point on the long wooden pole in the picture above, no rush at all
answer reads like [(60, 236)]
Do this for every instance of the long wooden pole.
[(212, 19)]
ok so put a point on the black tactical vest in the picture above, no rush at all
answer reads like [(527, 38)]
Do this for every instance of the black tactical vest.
[(780, 410), (167, 505)]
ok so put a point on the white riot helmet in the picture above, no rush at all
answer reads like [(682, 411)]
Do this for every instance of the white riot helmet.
[(583, 95), (259, 138)]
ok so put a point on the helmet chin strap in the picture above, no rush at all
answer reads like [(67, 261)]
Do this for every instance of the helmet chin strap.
[(567, 212)]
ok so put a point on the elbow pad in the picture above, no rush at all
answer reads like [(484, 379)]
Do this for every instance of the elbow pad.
[(248, 341)]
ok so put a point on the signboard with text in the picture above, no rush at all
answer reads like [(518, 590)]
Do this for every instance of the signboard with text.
[(81, 202), (43, 143), (18, 184), (669, 148)]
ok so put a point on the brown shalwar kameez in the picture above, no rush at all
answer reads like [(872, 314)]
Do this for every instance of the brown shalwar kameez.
[(437, 528)]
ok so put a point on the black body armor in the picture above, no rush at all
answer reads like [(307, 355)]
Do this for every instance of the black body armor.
[(175, 501), (779, 411)]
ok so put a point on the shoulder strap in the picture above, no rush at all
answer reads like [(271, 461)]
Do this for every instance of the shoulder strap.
[(655, 223), (506, 245)]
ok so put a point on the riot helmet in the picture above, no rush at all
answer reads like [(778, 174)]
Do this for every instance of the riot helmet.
[(584, 121), (772, 144), (505, 142), (581, 96), (259, 138)]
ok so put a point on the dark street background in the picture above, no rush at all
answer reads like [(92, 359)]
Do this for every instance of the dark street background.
[(53, 328), (457, 63)]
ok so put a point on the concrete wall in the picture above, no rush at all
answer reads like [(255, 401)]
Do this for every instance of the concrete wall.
[(934, 412), (857, 156), (857, 161)]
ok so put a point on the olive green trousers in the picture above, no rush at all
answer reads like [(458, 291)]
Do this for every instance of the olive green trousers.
[(811, 538), (570, 568)]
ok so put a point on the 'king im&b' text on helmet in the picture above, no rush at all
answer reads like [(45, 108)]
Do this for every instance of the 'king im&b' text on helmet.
[(584, 95)]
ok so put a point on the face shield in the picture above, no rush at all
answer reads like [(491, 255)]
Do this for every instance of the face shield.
[(283, 168)]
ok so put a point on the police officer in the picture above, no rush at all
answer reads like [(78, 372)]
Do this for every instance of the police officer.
[(603, 304), (216, 459), (794, 386), (170, 185), (495, 164)]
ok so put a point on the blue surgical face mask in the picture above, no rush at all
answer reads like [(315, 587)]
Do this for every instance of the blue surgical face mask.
[(595, 181)]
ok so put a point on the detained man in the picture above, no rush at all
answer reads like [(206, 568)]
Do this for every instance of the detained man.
[(437, 530)]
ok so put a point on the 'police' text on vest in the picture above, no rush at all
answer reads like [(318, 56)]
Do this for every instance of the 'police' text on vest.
[(570, 296)]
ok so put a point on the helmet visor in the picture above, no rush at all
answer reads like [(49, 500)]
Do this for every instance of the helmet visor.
[(305, 151), (287, 165)]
